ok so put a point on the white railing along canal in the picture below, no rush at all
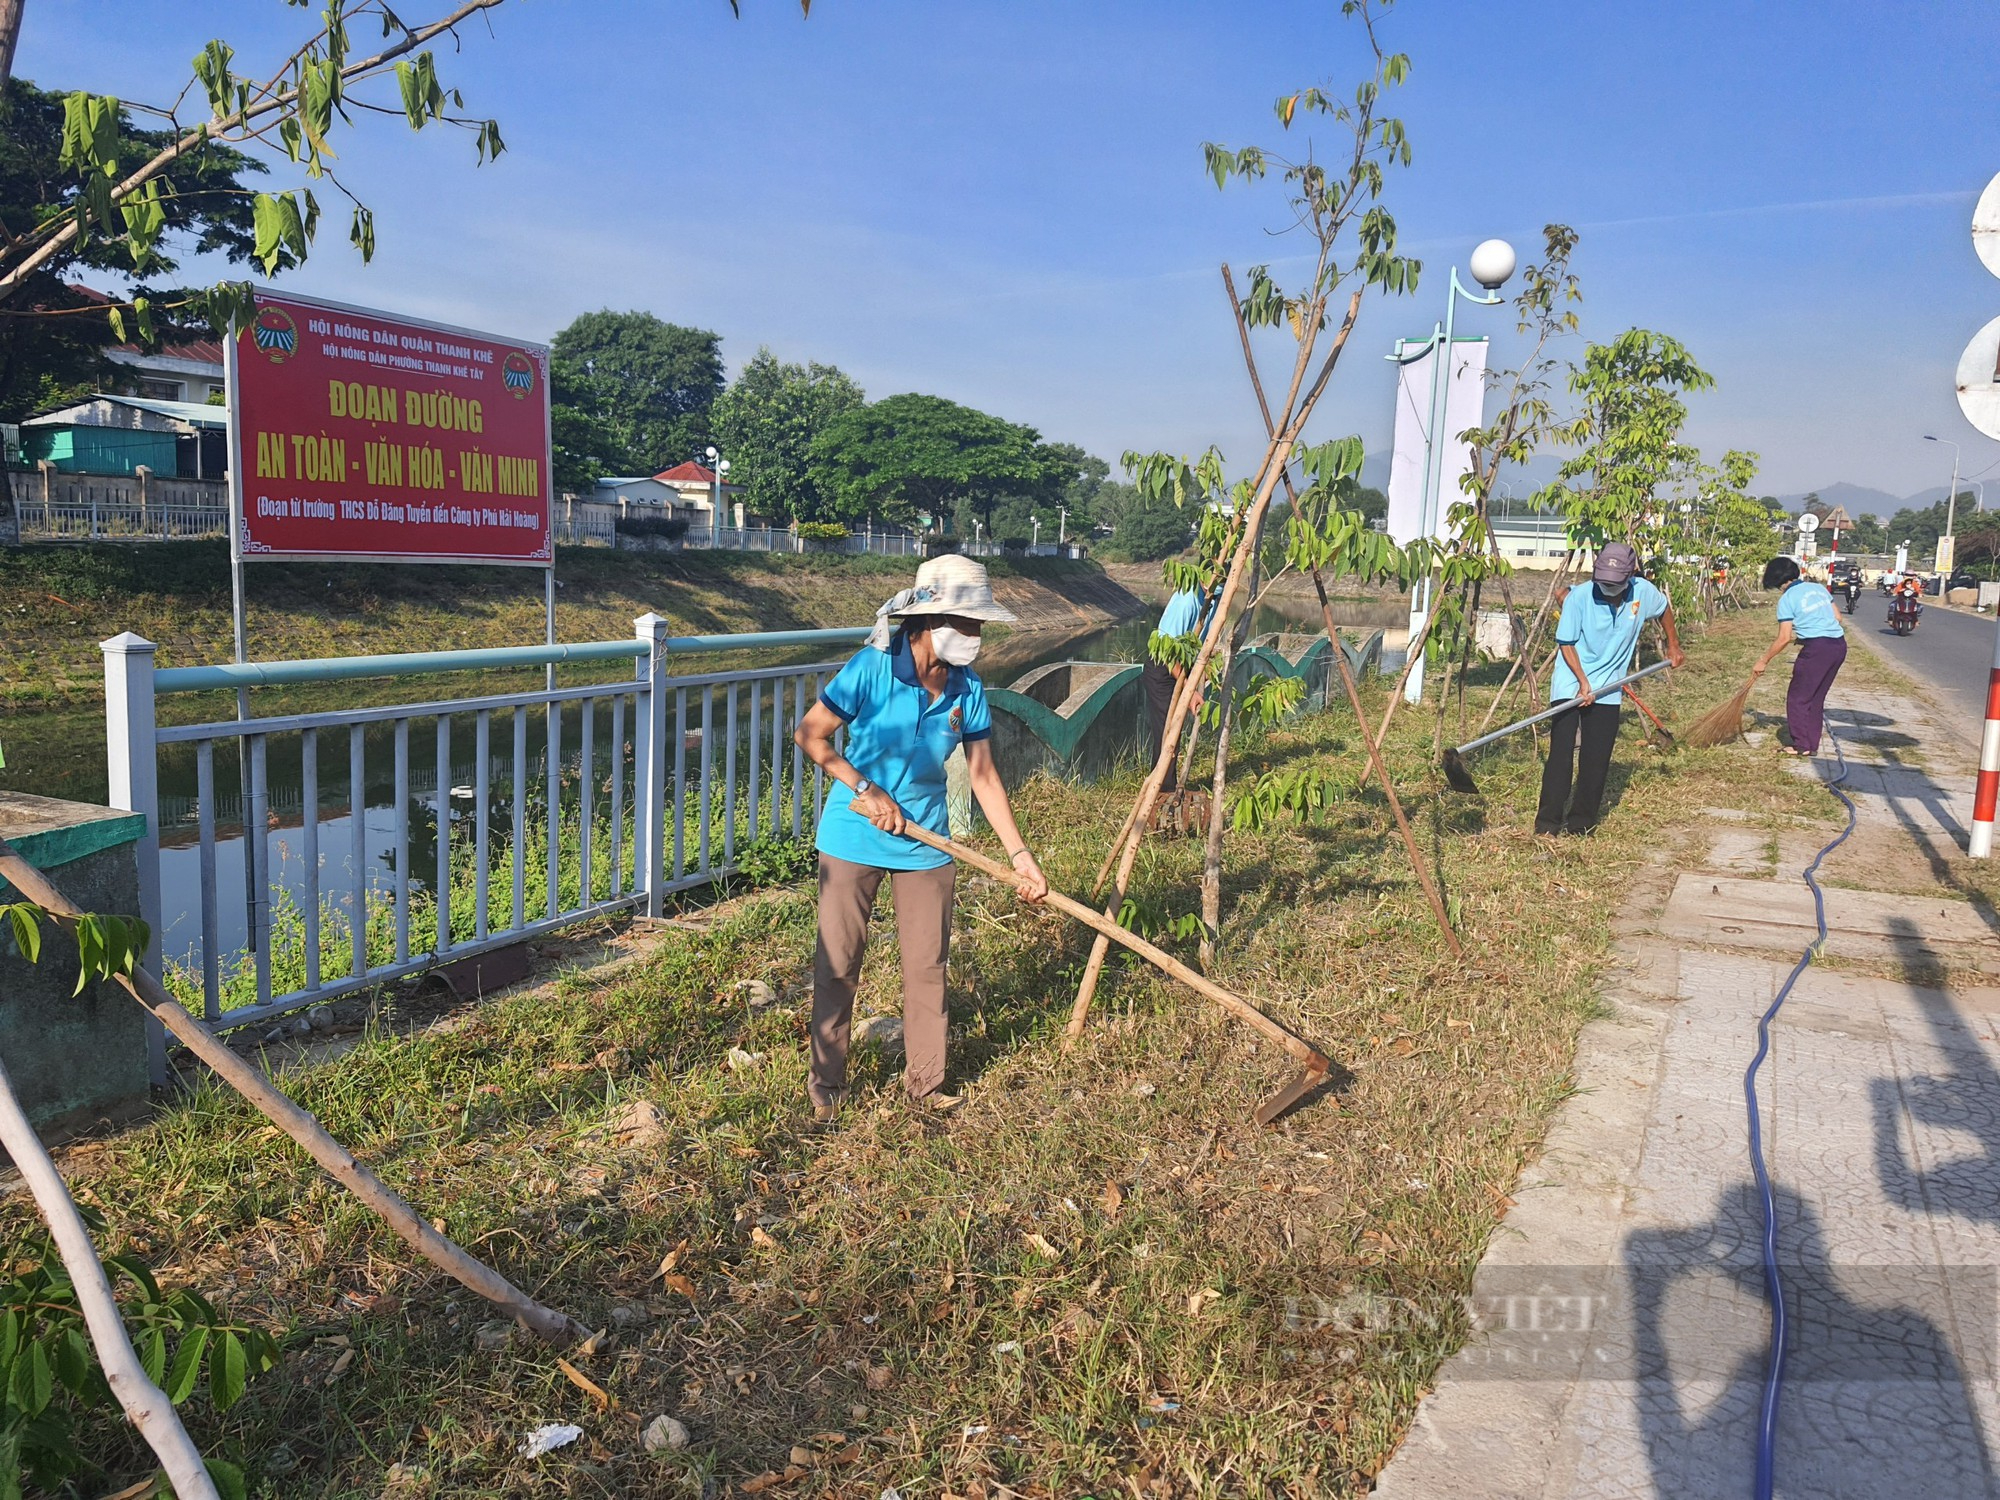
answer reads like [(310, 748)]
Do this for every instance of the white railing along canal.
[(574, 802)]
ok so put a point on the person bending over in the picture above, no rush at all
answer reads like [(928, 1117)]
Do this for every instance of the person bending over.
[(907, 700), (1596, 636)]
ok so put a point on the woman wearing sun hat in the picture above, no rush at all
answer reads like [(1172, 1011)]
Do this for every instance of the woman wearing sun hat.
[(907, 699)]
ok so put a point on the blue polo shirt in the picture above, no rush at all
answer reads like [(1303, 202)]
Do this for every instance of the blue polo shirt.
[(1605, 635), (1182, 614), (899, 737), (1809, 607)]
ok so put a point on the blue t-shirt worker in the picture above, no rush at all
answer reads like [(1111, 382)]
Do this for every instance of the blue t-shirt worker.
[(907, 700), (1596, 638), (1805, 615), (1185, 614)]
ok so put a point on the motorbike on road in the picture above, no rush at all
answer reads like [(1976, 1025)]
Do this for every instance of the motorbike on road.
[(1853, 592), (1903, 612)]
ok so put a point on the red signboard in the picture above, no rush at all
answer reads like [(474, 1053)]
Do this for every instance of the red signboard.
[(360, 435)]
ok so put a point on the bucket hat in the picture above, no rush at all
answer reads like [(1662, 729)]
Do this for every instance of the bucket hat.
[(954, 585), (947, 585)]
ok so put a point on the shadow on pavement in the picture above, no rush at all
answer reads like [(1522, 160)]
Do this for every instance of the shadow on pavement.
[(1965, 1101), (1875, 1400)]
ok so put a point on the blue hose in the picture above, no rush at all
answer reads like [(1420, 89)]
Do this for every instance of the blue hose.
[(1774, 1369)]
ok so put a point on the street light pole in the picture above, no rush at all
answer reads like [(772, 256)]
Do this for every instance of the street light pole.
[(1951, 495), (717, 468), (1491, 264)]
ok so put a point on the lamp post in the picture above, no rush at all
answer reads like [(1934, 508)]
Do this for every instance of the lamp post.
[(1950, 503), (1491, 264), (720, 466), (1036, 522), (1062, 525)]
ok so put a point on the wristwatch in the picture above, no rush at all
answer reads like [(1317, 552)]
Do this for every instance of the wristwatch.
[(863, 787)]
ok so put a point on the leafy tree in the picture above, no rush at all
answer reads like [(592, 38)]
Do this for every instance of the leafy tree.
[(912, 455), (119, 193), (1920, 526), (1867, 534), (1979, 547), (59, 356), (766, 422), (585, 446), (1150, 532), (113, 189), (1629, 433), (1109, 505), (654, 381), (1092, 473)]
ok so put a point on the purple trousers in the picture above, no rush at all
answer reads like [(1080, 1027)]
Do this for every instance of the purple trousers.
[(1812, 677)]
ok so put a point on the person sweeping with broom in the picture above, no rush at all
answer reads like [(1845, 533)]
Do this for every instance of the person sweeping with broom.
[(907, 700), (1596, 635), (1806, 616)]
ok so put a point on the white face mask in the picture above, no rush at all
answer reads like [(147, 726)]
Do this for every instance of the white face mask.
[(954, 648)]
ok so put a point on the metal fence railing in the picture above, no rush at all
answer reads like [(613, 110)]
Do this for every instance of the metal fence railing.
[(979, 548), (430, 831), (783, 539), (93, 520)]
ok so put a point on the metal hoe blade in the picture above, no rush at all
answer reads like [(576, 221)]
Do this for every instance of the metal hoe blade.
[(1454, 759), (1456, 774), (1290, 1094)]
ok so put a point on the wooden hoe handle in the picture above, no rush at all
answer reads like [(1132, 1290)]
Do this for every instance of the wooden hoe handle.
[(1166, 963)]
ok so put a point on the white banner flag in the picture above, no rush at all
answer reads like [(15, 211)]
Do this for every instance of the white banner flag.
[(1464, 407)]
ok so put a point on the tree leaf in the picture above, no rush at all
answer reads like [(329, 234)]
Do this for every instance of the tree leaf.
[(362, 235), (228, 1479), (153, 1354), (227, 1373), (25, 919), (33, 1382), (73, 1359), (211, 66), (180, 1381)]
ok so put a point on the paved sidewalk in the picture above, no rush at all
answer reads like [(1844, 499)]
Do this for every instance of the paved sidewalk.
[(1621, 1302)]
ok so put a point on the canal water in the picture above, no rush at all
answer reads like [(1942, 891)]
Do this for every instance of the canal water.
[(62, 755)]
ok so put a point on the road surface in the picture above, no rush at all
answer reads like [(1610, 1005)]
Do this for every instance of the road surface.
[(1950, 651)]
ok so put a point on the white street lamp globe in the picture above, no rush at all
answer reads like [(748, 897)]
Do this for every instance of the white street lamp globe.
[(723, 467), (711, 455), (1492, 263)]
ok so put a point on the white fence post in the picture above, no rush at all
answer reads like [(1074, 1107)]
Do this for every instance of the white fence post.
[(649, 811), (134, 780)]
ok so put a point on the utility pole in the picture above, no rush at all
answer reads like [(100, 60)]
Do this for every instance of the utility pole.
[(1947, 552)]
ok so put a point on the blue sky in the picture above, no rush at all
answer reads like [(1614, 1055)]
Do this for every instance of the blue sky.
[(1002, 201)]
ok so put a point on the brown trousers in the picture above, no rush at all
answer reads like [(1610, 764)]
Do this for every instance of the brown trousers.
[(923, 933)]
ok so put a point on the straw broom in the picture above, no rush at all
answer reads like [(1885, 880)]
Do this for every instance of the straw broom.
[(1722, 723)]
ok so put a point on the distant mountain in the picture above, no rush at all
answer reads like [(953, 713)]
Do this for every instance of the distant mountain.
[(1855, 499), (1524, 480), (1859, 500)]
